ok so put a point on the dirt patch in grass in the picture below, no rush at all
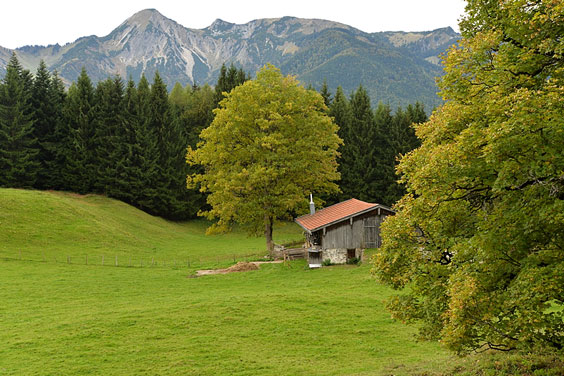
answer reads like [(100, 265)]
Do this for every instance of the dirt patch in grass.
[(238, 267)]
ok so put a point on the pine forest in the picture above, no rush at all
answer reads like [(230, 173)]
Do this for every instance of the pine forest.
[(128, 141)]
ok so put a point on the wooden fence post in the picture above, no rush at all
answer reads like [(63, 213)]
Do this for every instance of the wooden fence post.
[(116, 261)]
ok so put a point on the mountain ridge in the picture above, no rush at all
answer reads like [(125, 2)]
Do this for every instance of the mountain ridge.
[(395, 67)]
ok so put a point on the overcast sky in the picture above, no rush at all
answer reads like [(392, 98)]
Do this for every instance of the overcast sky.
[(46, 22)]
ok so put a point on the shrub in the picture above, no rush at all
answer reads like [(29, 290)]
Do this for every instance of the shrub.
[(353, 261)]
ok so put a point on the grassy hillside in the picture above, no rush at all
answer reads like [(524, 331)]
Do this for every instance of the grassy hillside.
[(40, 225)]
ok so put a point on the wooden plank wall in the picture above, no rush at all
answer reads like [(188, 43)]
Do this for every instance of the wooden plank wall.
[(345, 235)]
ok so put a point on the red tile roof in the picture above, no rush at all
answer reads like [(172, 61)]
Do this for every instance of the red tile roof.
[(335, 213)]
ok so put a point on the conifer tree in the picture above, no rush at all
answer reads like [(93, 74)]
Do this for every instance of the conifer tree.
[(359, 150), (228, 79), (366, 146), (391, 141), (43, 129), (144, 168), (109, 135), (47, 103), (80, 159), (56, 145), (171, 144), (325, 93), (341, 113), (18, 147)]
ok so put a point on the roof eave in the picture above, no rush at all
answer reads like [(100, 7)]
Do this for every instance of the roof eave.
[(305, 229), (378, 206)]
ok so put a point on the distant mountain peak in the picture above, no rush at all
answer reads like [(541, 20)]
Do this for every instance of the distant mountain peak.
[(220, 23), (219, 26), (312, 49), (147, 17)]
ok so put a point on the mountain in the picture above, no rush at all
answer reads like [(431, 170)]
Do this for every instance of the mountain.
[(395, 67)]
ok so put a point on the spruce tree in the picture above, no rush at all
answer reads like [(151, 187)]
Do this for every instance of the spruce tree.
[(227, 80), (18, 147), (325, 93), (172, 141), (45, 108), (80, 170), (390, 141), (221, 83), (167, 136), (109, 135), (364, 150), (144, 169), (340, 111), (58, 145)]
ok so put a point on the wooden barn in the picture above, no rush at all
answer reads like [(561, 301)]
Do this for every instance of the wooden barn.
[(342, 231)]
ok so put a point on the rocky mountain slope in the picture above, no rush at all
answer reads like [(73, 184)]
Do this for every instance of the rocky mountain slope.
[(395, 67)]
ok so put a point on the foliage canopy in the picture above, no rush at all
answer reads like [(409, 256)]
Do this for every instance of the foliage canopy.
[(479, 237), (270, 145)]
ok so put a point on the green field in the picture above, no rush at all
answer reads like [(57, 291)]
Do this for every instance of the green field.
[(70, 318), (60, 319), (54, 226)]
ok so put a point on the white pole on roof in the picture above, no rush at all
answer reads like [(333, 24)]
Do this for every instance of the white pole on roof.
[(311, 204)]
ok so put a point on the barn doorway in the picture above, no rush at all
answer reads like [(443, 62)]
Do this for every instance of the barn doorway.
[(314, 258), (351, 253), (370, 232)]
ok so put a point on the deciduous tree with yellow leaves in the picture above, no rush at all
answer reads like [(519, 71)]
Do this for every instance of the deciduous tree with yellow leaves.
[(270, 145), (479, 237)]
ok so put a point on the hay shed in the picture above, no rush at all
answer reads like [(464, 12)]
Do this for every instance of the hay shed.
[(342, 231)]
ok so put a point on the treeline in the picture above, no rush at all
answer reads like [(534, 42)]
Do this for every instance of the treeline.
[(118, 139), (373, 141), (128, 141)]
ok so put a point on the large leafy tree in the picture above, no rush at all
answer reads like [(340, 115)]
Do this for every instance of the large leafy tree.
[(269, 146), (479, 237)]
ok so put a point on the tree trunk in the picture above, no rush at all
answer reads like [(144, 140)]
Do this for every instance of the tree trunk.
[(268, 234)]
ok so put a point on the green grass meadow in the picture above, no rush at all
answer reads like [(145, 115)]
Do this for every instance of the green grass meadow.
[(59, 318), (54, 226)]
